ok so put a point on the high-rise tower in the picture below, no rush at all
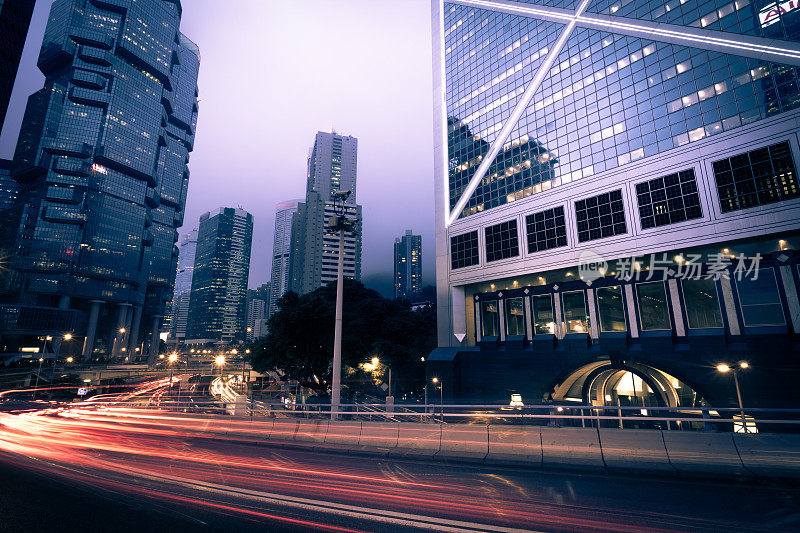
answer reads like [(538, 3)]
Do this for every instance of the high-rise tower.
[(101, 165), (617, 199), (407, 266), (281, 251), (218, 301), (187, 250), (315, 248)]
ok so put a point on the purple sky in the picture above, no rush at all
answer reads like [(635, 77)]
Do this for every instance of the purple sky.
[(272, 74)]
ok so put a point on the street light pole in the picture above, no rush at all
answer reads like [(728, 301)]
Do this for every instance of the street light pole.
[(338, 222), (722, 367)]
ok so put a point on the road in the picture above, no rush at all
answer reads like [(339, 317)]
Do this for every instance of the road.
[(149, 471)]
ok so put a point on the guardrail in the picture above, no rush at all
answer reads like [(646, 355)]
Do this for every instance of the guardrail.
[(538, 446)]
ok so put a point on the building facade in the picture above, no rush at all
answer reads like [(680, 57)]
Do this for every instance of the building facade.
[(15, 18), (218, 300), (101, 164), (407, 266), (617, 201), (281, 252), (314, 255), (187, 249)]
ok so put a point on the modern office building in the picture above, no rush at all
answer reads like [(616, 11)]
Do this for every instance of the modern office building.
[(9, 220), (218, 301), (617, 201), (15, 18), (314, 256), (257, 311), (187, 249), (101, 165), (407, 266), (281, 252)]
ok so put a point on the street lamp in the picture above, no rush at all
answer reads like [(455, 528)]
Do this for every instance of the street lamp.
[(339, 222), (375, 362), (41, 360), (172, 358), (743, 365), (220, 362), (436, 380)]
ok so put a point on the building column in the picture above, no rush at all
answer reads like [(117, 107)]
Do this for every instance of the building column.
[(154, 339), (91, 329), (630, 304), (528, 318), (558, 316), (677, 311), (135, 327), (478, 325), (790, 290), (594, 316), (501, 319), (729, 305)]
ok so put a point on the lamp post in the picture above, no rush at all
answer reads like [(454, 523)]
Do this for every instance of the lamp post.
[(172, 358), (41, 360), (339, 223), (441, 395), (724, 368), (220, 362)]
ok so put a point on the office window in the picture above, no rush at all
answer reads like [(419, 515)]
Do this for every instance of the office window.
[(546, 230), (501, 241), (576, 318), (600, 216), (759, 177), (464, 250), (490, 322), (668, 199), (702, 303), (653, 306), (542, 309), (760, 300), (515, 316), (610, 309)]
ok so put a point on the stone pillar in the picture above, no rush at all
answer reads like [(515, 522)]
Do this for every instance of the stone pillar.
[(91, 329), (154, 340), (135, 327)]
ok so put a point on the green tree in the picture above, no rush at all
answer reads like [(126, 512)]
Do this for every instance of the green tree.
[(300, 339)]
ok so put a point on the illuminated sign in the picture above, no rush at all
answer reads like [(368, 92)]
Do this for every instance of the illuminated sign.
[(772, 13)]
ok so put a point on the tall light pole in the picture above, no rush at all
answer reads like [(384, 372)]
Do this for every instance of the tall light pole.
[(41, 360), (339, 223), (722, 367), (220, 362)]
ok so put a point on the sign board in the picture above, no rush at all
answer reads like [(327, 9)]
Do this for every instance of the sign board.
[(82, 391), (772, 13)]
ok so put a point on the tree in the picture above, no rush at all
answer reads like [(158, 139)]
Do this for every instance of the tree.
[(300, 338)]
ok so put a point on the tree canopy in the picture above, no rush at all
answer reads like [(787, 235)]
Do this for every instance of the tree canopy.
[(300, 338)]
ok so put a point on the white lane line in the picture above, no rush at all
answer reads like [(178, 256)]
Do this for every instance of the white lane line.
[(353, 511)]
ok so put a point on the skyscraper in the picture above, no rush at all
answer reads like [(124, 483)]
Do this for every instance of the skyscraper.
[(15, 18), (315, 249), (407, 266), (257, 305), (218, 301), (183, 285), (281, 251), (101, 165), (617, 199)]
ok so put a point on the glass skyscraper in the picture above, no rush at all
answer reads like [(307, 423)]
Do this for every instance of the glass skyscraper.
[(407, 266), (281, 252), (183, 285), (101, 165), (218, 301), (575, 138)]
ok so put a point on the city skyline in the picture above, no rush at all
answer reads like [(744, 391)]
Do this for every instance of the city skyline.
[(277, 157)]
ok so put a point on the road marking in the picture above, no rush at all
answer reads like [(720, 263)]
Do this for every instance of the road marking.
[(354, 511)]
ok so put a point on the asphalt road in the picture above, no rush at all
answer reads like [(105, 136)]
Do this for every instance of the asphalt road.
[(73, 471)]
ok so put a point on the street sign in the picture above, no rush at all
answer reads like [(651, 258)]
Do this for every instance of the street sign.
[(82, 391)]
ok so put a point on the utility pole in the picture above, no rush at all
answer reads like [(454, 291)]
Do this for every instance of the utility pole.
[(340, 223)]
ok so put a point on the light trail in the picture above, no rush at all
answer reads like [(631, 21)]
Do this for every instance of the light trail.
[(202, 462)]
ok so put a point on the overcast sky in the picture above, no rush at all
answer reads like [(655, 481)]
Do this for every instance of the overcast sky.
[(272, 74)]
